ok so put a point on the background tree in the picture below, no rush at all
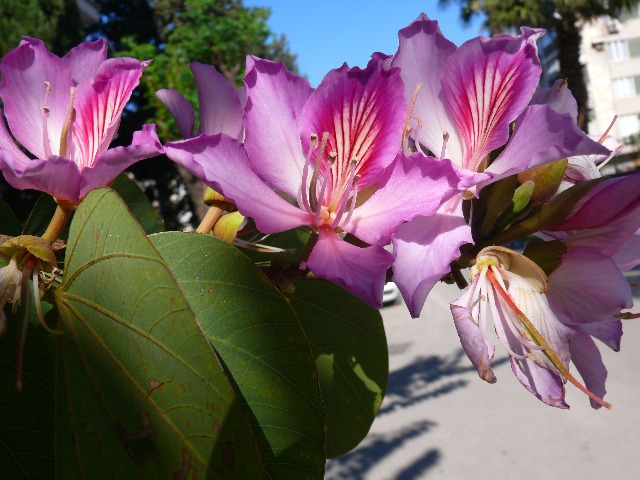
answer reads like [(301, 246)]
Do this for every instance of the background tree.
[(563, 17)]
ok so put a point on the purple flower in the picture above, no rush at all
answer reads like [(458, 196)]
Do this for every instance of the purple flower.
[(539, 344), (65, 112), (327, 159), (464, 101)]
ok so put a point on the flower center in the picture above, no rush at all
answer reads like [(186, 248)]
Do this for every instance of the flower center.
[(330, 193)]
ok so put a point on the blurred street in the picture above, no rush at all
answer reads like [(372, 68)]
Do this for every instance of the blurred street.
[(439, 420)]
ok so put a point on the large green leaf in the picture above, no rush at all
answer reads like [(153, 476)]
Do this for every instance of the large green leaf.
[(138, 203), (140, 391), (258, 337), (27, 416), (348, 340)]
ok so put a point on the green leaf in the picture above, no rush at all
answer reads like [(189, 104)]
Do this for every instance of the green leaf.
[(138, 203), (258, 337), (348, 341), (9, 223), (27, 417), (140, 391)]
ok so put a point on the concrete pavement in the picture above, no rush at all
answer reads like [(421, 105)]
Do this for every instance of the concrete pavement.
[(439, 420)]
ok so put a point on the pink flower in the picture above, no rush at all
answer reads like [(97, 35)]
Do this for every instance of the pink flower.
[(539, 344), (326, 159), (464, 102), (65, 112)]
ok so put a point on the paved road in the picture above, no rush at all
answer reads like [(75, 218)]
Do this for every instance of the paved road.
[(440, 421)]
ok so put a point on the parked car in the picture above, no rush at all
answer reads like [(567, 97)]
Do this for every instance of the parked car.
[(390, 295)]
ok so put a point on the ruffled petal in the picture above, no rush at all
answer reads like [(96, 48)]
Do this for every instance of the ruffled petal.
[(275, 99), (363, 112), (411, 185), (587, 359), (486, 84), (362, 271), (83, 61), (57, 176), (26, 71), (220, 109), (541, 382), (99, 104), (114, 161), (609, 333), (465, 310), (424, 248), (588, 287), (558, 97), (541, 136), (181, 110), (221, 162), (421, 57)]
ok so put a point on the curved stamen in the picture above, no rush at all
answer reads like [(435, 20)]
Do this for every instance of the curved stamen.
[(68, 120), (354, 198), (345, 194), (313, 199), (36, 298), (325, 180), (305, 172), (45, 116)]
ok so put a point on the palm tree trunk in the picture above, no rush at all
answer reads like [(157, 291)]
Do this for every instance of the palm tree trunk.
[(568, 41)]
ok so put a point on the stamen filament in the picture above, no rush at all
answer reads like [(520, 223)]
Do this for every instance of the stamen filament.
[(354, 199), (407, 121), (69, 117), (345, 195), (445, 139), (313, 199), (537, 337), (325, 181), (606, 132), (36, 298), (305, 172)]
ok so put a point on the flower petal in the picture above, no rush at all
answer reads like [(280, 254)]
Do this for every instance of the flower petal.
[(181, 110), (83, 61), (421, 57), (485, 85), (362, 271), (12, 153), (588, 287), (275, 99), (114, 161), (221, 162), (541, 136), (424, 248), (57, 176), (363, 112), (587, 359), (99, 104), (541, 382), (465, 311), (26, 71), (609, 333), (220, 109), (411, 185), (558, 97)]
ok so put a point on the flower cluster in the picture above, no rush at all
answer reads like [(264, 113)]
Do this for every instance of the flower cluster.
[(414, 168)]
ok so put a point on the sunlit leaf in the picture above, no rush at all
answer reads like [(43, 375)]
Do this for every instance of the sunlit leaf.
[(262, 345), (138, 203), (348, 341), (140, 391)]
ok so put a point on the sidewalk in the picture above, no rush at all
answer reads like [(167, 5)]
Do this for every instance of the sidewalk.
[(439, 420)]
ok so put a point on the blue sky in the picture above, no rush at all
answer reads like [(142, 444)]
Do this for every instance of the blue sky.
[(324, 34)]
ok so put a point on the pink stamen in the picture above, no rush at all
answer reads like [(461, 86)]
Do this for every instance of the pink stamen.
[(325, 180), (354, 199), (313, 199), (345, 195), (305, 172)]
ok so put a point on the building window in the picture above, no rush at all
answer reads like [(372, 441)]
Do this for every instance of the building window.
[(618, 50), (628, 126), (624, 87)]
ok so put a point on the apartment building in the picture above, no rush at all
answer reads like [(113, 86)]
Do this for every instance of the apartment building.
[(611, 55)]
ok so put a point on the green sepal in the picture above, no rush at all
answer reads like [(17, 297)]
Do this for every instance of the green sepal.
[(36, 246), (546, 177), (546, 254)]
